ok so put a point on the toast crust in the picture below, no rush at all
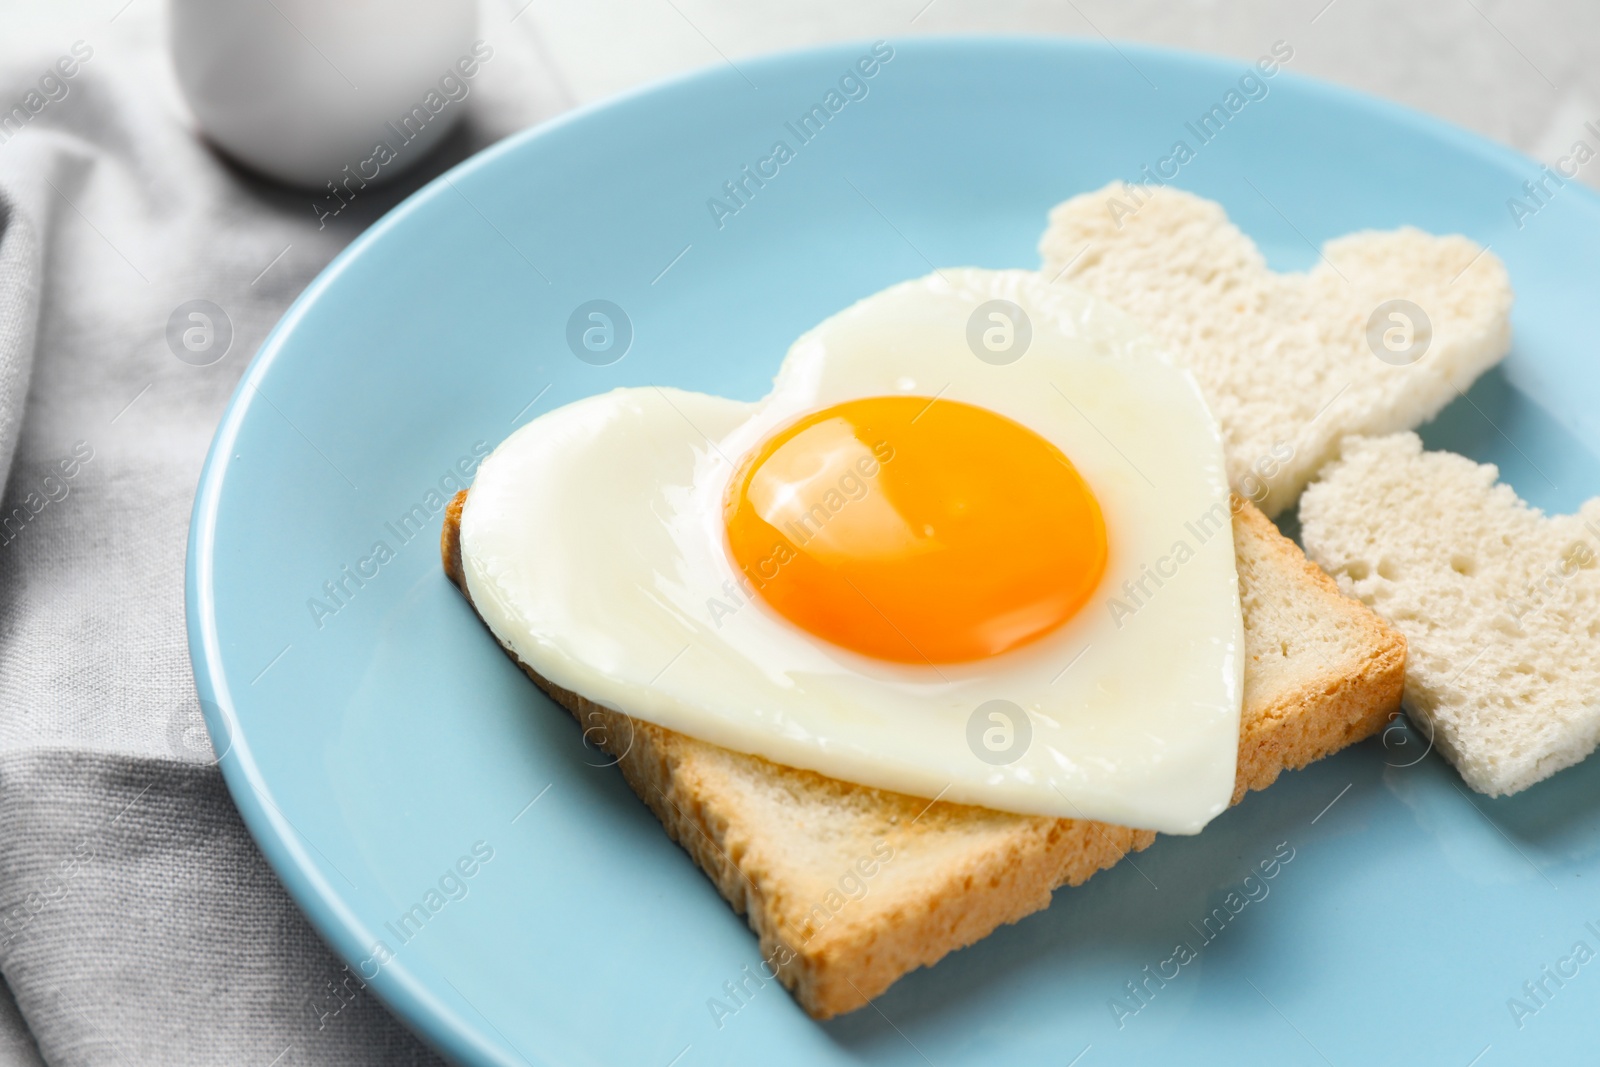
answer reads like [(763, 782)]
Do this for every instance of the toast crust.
[(987, 868)]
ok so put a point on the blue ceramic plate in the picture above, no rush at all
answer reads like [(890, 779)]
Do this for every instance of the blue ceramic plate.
[(442, 823)]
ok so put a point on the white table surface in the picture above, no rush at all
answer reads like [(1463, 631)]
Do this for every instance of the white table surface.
[(1520, 72)]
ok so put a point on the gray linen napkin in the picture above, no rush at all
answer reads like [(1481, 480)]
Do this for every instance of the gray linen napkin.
[(138, 922)]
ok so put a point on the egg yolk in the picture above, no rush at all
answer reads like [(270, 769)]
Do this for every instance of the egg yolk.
[(915, 529)]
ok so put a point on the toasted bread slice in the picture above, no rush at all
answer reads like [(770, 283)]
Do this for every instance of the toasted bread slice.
[(848, 888)]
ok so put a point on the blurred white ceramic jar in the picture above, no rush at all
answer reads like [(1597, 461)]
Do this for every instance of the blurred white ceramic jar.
[(301, 90)]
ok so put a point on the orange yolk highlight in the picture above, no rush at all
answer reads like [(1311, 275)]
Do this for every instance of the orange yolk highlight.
[(915, 530)]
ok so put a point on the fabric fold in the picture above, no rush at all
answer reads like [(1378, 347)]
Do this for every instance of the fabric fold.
[(138, 921)]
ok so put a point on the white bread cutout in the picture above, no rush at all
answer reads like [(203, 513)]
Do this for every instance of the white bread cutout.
[(1499, 603), (1284, 359)]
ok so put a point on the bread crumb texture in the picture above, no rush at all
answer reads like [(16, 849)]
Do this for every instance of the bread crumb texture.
[(1500, 603), (1284, 360)]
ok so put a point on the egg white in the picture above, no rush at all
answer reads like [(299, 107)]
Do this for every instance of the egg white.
[(594, 548)]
